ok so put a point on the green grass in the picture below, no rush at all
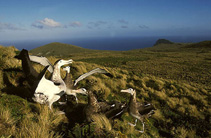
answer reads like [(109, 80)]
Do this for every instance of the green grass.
[(59, 49), (176, 80)]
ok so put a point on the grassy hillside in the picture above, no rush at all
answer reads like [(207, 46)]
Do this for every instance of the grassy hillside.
[(203, 44), (169, 61), (59, 49), (177, 83)]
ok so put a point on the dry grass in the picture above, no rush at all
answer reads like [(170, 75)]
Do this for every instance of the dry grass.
[(44, 125), (7, 122), (182, 108), (5, 57), (102, 122)]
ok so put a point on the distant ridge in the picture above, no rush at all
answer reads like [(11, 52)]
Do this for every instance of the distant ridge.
[(163, 41), (203, 44), (59, 49)]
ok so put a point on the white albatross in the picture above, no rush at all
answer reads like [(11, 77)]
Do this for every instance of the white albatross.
[(49, 91)]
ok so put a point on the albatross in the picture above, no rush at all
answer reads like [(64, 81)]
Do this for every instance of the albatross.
[(92, 107), (71, 86), (71, 90), (111, 110), (49, 91), (30, 73), (140, 111)]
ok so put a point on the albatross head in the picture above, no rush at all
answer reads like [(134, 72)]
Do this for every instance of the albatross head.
[(130, 90), (62, 62), (23, 54)]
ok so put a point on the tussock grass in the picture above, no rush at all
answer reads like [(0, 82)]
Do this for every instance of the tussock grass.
[(102, 122), (44, 123), (6, 57), (7, 122), (182, 105)]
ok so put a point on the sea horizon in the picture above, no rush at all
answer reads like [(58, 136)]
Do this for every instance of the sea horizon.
[(106, 43)]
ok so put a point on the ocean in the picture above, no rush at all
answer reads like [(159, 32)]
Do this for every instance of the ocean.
[(119, 44)]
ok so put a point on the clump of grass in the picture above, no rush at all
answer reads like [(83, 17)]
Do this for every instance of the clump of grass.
[(173, 102), (6, 57), (42, 124), (102, 122), (159, 115), (7, 122), (1, 80)]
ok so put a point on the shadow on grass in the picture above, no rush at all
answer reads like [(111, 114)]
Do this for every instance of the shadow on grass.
[(19, 87)]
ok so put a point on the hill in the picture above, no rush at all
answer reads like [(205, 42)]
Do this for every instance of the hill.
[(171, 61), (59, 49), (162, 41), (166, 79), (203, 44), (182, 108)]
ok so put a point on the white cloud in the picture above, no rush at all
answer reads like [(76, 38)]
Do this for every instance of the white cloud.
[(46, 23), (50, 22), (75, 24)]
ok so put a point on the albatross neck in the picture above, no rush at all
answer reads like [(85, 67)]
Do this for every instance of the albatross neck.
[(132, 104), (56, 73), (92, 100), (27, 67), (68, 81)]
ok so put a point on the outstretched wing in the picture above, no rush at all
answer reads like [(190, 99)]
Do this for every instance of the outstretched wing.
[(97, 70), (145, 108), (43, 61)]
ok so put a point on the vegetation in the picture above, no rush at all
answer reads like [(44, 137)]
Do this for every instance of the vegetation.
[(176, 79), (162, 41), (60, 49)]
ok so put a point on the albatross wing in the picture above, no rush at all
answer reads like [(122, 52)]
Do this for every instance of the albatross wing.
[(43, 61), (97, 70)]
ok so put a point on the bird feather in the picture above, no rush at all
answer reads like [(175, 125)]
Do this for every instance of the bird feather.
[(97, 70), (43, 61)]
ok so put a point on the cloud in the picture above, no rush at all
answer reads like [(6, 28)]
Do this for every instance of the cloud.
[(9, 26), (122, 21), (46, 23), (97, 24), (75, 24), (124, 26), (37, 25), (143, 27)]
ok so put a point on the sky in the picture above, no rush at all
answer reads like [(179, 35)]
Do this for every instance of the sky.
[(69, 19)]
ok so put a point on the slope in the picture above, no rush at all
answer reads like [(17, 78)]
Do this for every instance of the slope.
[(59, 49), (182, 109)]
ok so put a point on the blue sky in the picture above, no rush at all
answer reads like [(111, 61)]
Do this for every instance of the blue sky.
[(69, 19)]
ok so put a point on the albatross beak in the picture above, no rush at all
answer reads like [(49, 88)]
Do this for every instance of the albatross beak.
[(17, 57), (65, 62), (81, 91), (124, 91), (70, 61)]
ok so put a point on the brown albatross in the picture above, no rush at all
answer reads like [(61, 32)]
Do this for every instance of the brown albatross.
[(71, 85), (111, 110), (138, 110)]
